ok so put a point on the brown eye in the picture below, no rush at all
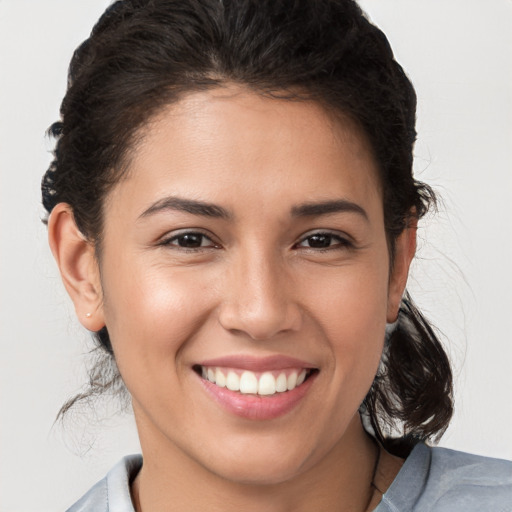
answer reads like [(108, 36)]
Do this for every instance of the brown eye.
[(324, 241), (190, 241), (319, 241)]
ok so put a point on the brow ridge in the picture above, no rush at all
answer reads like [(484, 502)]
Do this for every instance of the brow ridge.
[(206, 209), (191, 206), (314, 209)]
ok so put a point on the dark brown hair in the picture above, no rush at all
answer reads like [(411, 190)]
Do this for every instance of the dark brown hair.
[(145, 54)]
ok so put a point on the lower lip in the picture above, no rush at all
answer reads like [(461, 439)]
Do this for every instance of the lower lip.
[(255, 407)]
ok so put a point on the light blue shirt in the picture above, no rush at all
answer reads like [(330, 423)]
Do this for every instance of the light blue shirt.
[(442, 480), (431, 480)]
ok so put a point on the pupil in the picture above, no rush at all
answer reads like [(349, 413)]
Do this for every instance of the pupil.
[(319, 241), (190, 240)]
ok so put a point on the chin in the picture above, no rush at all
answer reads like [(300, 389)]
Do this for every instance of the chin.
[(259, 474), (259, 465)]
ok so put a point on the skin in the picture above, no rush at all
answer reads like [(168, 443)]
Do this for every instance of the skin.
[(256, 287)]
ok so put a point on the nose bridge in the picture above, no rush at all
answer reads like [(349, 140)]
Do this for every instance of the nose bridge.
[(259, 299)]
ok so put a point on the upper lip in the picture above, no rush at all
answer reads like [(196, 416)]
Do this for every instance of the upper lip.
[(257, 364)]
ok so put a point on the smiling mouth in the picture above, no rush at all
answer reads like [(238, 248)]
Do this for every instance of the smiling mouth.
[(246, 382)]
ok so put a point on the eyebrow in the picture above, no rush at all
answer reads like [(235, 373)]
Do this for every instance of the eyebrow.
[(328, 207), (188, 206), (206, 209)]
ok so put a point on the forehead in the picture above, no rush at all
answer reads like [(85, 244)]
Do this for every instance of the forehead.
[(215, 144)]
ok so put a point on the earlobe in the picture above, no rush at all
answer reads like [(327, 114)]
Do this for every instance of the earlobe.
[(405, 248), (78, 266)]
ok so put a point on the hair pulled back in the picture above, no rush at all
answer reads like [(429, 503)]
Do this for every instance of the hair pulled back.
[(145, 54)]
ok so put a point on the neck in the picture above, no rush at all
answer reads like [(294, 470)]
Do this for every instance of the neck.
[(169, 480)]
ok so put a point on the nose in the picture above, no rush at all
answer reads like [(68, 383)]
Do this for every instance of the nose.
[(259, 299)]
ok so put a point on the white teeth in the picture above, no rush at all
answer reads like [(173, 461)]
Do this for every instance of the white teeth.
[(291, 382), (301, 377), (233, 381), (267, 384), (249, 383), (281, 383), (220, 380)]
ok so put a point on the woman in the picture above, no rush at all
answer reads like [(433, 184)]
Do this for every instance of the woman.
[(233, 213)]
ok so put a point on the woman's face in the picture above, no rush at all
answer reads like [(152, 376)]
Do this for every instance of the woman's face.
[(246, 247)]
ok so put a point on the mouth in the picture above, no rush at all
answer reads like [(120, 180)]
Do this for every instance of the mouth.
[(260, 383), (257, 388)]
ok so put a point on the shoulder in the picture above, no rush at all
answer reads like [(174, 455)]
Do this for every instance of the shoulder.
[(470, 481), (439, 479), (112, 493)]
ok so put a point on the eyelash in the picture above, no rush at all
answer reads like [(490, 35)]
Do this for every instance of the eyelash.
[(341, 242), (169, 241)]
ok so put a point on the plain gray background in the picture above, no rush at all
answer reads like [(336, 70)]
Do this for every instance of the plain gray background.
[(458, 54)]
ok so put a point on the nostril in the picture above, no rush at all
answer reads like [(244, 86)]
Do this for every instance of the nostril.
[(260, 314)]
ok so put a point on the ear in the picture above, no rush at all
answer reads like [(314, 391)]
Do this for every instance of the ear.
[(405, 247), (78, 266)]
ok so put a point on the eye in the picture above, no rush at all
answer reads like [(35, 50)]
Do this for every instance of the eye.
[(324, 241), (189, 240)]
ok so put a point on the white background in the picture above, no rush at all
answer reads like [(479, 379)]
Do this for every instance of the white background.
[(458, 54)]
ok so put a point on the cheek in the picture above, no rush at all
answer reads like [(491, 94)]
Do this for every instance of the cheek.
[(350, 308), (151, 315), (350, 301)]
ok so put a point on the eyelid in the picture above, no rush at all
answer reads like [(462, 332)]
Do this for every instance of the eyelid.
[(173, 235), (344, 239)]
